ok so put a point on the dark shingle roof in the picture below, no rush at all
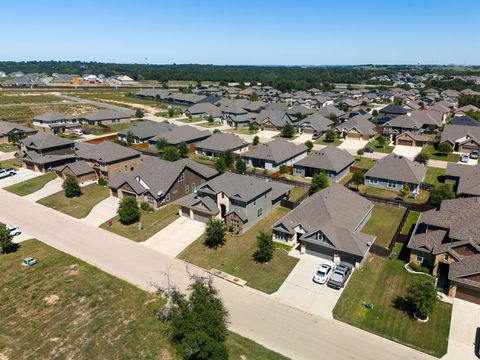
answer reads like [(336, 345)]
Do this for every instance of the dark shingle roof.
[(277, 151)]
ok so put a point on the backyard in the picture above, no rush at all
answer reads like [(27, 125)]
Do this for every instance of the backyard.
[(235, 257), (364, 163), (78, 207), (152, 221), (384, 223), (296, 193), (30, 186), (421, 198), (382, 282), (412, 219), (435, 175), (65, 308)]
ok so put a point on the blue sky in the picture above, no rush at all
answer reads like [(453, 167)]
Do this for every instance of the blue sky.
[(243, 32)]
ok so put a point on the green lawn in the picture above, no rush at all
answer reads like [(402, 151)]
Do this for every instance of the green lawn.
[(212, 125), (296, 193), (153, 222), (421, 198), (364, 163), (435, 155), (244, 131), (410, 222), (202, 159), (30, 186), (78, 207), (384, 223), (376, 146), (380, 282), (235, 257), (64, 308), (10, 163), (5, 147), (322, 141), (435, 175)]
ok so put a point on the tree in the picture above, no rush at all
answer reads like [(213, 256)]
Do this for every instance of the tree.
[(240, 166), (283, 169), (210, 119), (198, 322), (334, 118), (15, 137), (265, 248), (330, 135), (288, 130), (256, 140), (170, 153), (228, 157), (71, 187), (128, 211), (445, 148), (358, 178), (161, 144), (215, 233), (220, 165), (440, 193), (422, 296), (139, 113), (251, 127), (309, 145), (130, 138), (374, 112), (421, 158), (381, 141), (254, 96), (405, 190), (183, 150), (319, 182), (6, 243), (171, 112)]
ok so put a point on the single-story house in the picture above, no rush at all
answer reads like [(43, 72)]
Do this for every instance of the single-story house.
[(9, 128), (463, 138), (392, 110), (358, 127), (81, 170), (410, 139), (104, 117), (272, 119), (181, 134), (465, 178), (330, 110), (464, 110), (204, 110), (217, 144), (315, 124), (55, 122), (464, 120), (143, 131)]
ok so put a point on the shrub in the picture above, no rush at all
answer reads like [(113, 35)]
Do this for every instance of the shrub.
[(220, 165), (283, 169), (170, 153), (319, 181), (421, 158), (418, 268), (128, 211), (228, 157), (330, 135), (256, 140), (146, 206), (215, 233), (102, 182), (360, 152), (139, 113), (240, 166), (71, 187), (309, 145), (445, 148)]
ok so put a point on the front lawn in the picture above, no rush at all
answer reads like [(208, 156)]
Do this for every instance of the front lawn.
[(435, 175), (152, 221), (322, 141), (384, 223), (7, 147), (374, 144), (411, 221), (30, 186), (381, 282), (78, 207), (244, 131), (235, 257), (10, 163), (436, 155), (64, 308)]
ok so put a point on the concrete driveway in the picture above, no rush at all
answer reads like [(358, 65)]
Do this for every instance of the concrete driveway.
[(103, 211), (353, 145), (471, 162), (177, 236), (463, 327), (302, 138), (407, 151), (299, 291), (22, 175), (50, 188)]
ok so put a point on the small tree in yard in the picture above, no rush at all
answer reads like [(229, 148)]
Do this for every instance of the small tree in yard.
[(309, 145), (130, 138), (210, 119), (381, 141), (170, 153), (445, 148), (319, 182), (139, 113), (216, 131), (128, 211), (240, 166), (220, 165), (228, 157), (251, 127), (256, 140), (283, 169), (71, 187), (183, 150), (215, 234), (264, 252), (421, 158), (375, 112), (161, 144), (330, 135), (422, 296), (440, 193), (358, 178), (288, 130), (6, 243), (171, 112)]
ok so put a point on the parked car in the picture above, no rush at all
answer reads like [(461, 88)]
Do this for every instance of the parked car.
[(368, 150), (474, 154), (14, 230), (340, 276), (78, 132), (464, 158), (316, 136), (323, 273), (7, 172)]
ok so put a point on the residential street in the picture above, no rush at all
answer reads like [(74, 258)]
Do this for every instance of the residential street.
[(253, 314)]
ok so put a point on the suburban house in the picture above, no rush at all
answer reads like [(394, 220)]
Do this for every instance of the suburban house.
[(446, 241), (315, 124), (334, 162), (108, 159), (272, 119), (81, 170), (204, 110), (9, 128), (392, 110), (394, 171), (217, 144), (330, 110), (104, 117), (464, 120), (408, 138), (465, 178), (143, 131), (358, 127), (273, 154), (464, 110), (463, 138), (328, 224), (55, 122), (239, 200), (159, 182), (42, 152), (180, 134)]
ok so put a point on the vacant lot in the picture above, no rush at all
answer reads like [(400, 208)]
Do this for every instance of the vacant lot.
[(64, 308), (32, 185), (78, 207), (19, 98), (381, 282), (152, 222), (384, 223), (27, 113), (235, 257)]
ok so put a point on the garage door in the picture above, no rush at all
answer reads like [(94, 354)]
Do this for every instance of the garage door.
[(198, 216), (353, 136), (319, 251), (30, 167), (185, 212), (468, 294), (405, 142)]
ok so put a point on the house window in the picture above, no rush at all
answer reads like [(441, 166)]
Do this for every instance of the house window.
[(167, 197), (193, 187), (132, 168), (126, 168), (187, 189), (234, 223), (202, 181), (281, 236), (150, 200), (259, 212), (373, 181), (421, 257), (392, 184), (181, 177)]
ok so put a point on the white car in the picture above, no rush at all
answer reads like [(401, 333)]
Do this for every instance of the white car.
[(6, 173), (14, 230), (464, 158), (324, 271), (78, 132)]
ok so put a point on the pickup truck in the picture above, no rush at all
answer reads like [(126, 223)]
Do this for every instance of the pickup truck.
[(6, 173), (340, 276)]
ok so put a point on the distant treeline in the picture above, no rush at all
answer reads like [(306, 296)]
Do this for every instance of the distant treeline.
[(284, 78)]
